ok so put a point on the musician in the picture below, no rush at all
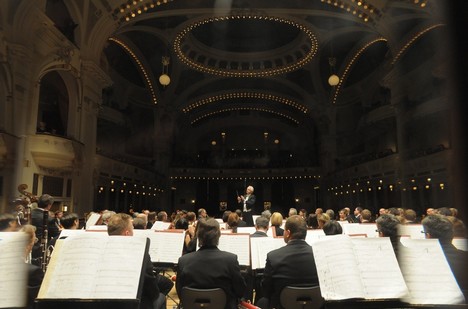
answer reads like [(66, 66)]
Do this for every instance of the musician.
[(276, 222), (440, 227), (332, 227), (35, 273), (121, 225), (210, 267), (202, 214), (40, 219), (8, 223), (247, 202), (291, 265), (261, 227)]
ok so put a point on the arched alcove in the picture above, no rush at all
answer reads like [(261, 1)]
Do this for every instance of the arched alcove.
[(52, 115)]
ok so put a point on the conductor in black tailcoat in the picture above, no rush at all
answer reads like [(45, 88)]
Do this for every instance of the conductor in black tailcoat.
[(247, 202)]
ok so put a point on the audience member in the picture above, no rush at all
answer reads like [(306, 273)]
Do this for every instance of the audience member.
[(291, 265), (224, 270)]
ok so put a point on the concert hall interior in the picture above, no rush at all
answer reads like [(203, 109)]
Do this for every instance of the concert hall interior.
[(166, 105)]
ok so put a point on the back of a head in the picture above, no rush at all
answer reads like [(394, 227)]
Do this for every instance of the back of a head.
[(139, 223), (410, 215), (330, 213), (366, 214), (226, 215), (233, 220), (445, 211), (438, 226), (276, 219), (68, 220), (332, 227), (266, 214), (7, 222), (312, 221), (118, 223), (45, 200), (208, 232), (292, 212), (182, 224), (152, 216), (388, 224), (297, 227), (162, 216), (262, 223)]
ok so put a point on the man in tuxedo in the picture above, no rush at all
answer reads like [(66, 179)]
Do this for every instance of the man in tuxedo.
[(247, 203), (210, 267), (291, 265), (121, 225), (40, 219)]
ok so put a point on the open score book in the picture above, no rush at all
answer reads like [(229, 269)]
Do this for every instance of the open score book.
[(367, 268)]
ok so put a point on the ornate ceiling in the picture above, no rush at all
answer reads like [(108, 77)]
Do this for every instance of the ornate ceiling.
[(247, 73)]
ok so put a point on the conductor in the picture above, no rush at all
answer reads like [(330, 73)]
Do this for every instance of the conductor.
[(247, 202)]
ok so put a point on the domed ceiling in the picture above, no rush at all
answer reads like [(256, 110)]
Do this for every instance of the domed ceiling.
[(251, 75)]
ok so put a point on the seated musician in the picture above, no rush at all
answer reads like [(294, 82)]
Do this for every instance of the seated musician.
[(291, 265), (440, 227), (35, 273), (332, 227), (210, 267), (261, 227), (121, 224), (276, 222), (387, 226)]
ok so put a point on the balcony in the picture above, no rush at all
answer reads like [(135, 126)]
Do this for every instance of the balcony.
[(55, 152)]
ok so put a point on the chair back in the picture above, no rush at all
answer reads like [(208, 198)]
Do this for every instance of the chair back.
[(192, 298), (301, 297)]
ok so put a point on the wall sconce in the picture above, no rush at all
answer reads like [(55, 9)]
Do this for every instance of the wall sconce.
[(164, 79)]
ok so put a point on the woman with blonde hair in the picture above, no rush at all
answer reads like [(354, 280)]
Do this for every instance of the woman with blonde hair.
[(276, 221)]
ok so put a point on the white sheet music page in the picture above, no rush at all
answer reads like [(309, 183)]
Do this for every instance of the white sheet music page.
[(13, 270), (380, 273), (361, 228), (259, 248), (165, 247), (238, 244), (94, 266), (160, 225), (92, 220), (428, 274), (339, 278)]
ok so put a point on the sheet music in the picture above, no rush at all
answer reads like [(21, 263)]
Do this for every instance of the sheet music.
[(339, 278), (13, 269), (361, 228), (238, 244), (160, 225), (380, 273), (66, 232), (97, 228), (165, 247), (314, 235), (259, 248), (92, 220), (93, 266), (428, 274), (246, 230), (414, 231), (460, 243)]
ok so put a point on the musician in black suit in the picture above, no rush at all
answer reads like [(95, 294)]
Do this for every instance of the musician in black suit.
[(291, 265), (121, 225), (247, 202), (440, 227), (210, 267), (261, 227), (40, 219)]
